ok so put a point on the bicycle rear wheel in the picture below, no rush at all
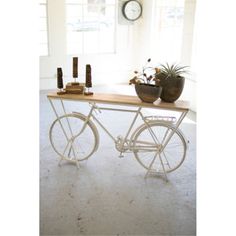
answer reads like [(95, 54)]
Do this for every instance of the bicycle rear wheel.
[(148, 147), (72, 138)]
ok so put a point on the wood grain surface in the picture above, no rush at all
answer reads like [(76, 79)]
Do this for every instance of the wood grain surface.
[(120, 99)]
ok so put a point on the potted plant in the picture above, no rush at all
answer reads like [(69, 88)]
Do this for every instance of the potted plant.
[(147, 84), (171, 79)]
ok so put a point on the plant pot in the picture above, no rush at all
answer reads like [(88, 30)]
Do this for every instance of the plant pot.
[(172, 89), (148, 92)]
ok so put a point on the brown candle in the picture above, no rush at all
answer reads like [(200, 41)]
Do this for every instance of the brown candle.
[(75, 67), (88, 81), (59, 78)]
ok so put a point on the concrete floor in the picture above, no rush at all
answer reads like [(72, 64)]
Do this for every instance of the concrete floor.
[(109, 195)]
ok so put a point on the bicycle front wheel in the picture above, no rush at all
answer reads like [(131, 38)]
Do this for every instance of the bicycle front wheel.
[(72, 138), (150, 150)]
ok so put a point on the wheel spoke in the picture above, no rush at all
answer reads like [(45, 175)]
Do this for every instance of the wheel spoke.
[(174, 145), (80, 140), (165, 135), (167, 162), (151, 139), (66, 147)]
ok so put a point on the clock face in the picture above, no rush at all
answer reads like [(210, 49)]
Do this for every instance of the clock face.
[(132, 10)]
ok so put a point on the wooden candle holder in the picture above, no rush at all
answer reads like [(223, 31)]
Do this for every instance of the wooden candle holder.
[(75, 70), (60, 81), (88, 81)]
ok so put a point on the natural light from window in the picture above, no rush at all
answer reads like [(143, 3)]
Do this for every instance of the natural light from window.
[(90, 26), (43, 48), (168, 30)]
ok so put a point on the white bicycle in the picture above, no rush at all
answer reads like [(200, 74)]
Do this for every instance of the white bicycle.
[(158, 144)]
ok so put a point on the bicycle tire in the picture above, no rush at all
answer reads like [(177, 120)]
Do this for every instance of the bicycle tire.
[(171, 158), (74, 142)]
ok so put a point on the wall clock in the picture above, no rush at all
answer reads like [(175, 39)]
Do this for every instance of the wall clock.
[(132, 10)]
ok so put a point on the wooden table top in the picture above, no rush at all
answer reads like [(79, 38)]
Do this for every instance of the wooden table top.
[(119, 99)]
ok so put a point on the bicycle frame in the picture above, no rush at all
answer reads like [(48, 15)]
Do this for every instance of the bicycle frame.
[(125, 141)]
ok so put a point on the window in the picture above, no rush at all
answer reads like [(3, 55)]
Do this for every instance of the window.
[(90, 26), (168, 31), (43, 28)]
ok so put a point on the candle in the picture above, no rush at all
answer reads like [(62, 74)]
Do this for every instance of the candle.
[(88, 82), (59, 78), (75, 67)]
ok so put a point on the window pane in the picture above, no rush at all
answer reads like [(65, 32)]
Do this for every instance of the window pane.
[(77, 25), (110, 11), (91, 44), (74, 10), (76, 1), (170, 15), (110, 2), (168, 3), (43, 28), (42, 11), (93, 11), (91, 1), (91, 18), (43, 24), (75, 48), (43, 49), (43, 37), (96, 1), (106, 40), (75, 37)]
